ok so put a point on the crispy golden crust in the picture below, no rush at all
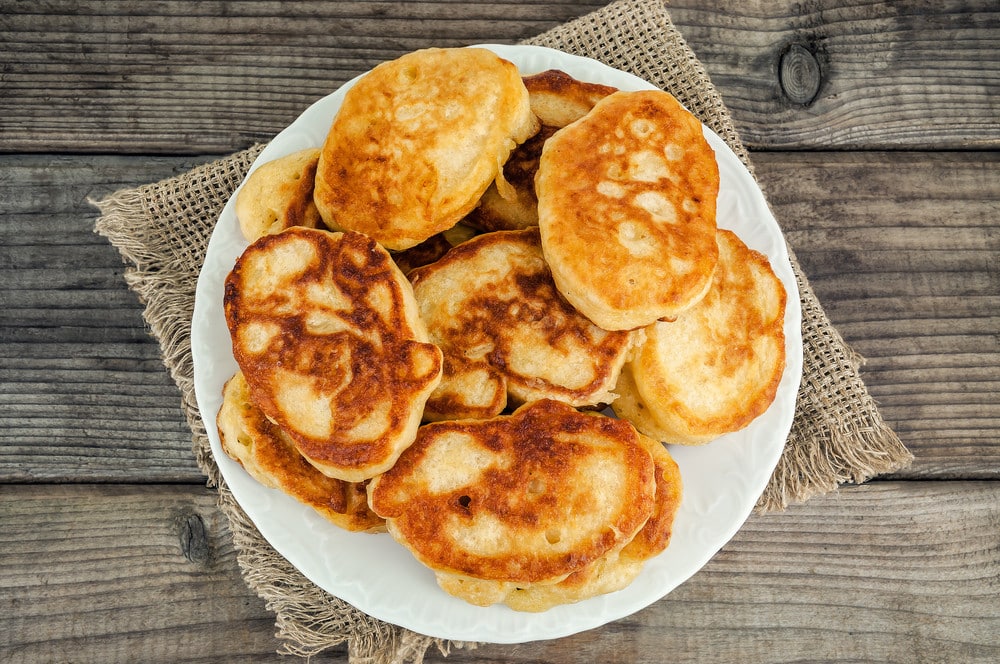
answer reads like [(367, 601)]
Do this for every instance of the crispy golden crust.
[(557, 99), (524, 498), (267, 454), (517, 207), (626, 205), (717, 367), (327, 333), (618, 569), (418, 140), (491, 306), (279, 195)]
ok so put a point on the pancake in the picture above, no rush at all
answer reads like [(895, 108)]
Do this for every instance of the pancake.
[(418, 140), (491, 306), (517, 207), (618, 569), (325, 329), (518, 499), (279, 195), (557, 99), (267, 454), (626, 207), (717, 367)]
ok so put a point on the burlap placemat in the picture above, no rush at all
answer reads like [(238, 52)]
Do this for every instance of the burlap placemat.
[(162, 229)]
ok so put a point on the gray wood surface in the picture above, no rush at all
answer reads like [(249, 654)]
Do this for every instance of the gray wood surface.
[(205, 77), (887, 572), (875, 129)]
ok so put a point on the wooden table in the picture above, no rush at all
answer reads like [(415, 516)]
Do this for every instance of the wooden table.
[(875, 130)]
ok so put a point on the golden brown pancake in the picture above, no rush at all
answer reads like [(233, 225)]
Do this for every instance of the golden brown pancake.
[(326, 330), (518, 499), (491, 306), (267, 454), (418, 140), (278, 195), (517, 207), (617, 569), (557, 99), (717, 367), (626, 206)]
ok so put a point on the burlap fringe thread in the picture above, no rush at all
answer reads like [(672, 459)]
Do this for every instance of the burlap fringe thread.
[(838, 434), (163, 230)]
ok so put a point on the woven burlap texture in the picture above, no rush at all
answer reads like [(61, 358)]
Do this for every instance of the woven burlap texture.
[(162, 230)]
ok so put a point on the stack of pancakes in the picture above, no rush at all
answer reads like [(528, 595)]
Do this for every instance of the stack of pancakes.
[(437, 305)]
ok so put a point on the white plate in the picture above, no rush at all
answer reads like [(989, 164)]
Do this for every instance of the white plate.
[(722, 480)]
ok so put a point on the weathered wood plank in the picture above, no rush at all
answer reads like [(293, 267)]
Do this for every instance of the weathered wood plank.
[(918, 232), (83, 392), (188, 77), (118, 573), (886, 74), (903, 250), (885, 572)]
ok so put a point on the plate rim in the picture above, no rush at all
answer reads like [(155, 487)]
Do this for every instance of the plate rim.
[(492, 625)]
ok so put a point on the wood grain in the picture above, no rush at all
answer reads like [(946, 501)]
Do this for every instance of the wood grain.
[(876, 137), (190, 77), (99, 574), (888, 572), (891, 74), (83, 392), (901, 248)]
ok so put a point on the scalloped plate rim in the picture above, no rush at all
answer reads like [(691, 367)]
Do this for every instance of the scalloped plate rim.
[(400, 591)]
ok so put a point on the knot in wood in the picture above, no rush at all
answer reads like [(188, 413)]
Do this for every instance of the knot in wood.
[(799, 74), (194, 539)]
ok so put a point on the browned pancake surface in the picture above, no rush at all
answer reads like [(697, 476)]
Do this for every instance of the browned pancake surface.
[(491, 306), (626, 203), (617, 569), (326, 331), (557, 99), (279, 195), (717, 367), (267, 454), (418, 140), (525, 498)]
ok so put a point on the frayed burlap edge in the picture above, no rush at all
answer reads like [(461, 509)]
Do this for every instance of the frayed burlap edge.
[(838, 434), (837, 437), (163, 230)]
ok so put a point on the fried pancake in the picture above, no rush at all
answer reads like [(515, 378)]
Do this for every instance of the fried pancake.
[(517, 207), (626, 206), (717, 367), (557, 99), (518, 499), (326, 330), (491, 306), (267, 454), (278, 195), (418, 140), (618, 569)]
